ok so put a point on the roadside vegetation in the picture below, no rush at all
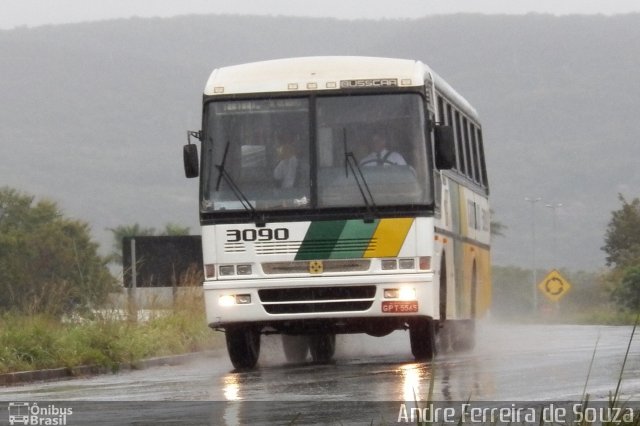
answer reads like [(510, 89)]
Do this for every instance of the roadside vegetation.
[(106, 338), (54, 297)]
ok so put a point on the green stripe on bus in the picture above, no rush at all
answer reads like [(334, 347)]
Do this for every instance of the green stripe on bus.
[(320, 239), (354, 239)]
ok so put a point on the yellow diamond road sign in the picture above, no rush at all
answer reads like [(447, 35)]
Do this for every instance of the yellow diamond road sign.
[(554, 286)]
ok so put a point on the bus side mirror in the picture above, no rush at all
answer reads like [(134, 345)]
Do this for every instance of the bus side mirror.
[(190, 157), (445, 148)]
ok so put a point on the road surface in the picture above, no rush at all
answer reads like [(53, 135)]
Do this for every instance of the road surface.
[(367, 381)]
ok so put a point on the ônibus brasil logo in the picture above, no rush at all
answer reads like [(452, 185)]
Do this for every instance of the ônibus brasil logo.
[(26, 413)]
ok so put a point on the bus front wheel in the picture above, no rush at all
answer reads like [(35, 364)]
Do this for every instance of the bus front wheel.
[(243, 346), (322, 347), (422, 334)]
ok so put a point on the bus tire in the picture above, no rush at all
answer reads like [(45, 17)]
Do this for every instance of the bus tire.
[(243, 346), (422, 334), (295, 348), (322, 347)]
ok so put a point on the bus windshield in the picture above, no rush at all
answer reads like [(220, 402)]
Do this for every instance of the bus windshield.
[(272, 154)]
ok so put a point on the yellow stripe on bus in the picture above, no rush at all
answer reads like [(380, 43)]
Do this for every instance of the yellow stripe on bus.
[(388, 237)]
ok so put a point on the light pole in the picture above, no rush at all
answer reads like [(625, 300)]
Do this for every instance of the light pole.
[(533, 202), (554, 208)]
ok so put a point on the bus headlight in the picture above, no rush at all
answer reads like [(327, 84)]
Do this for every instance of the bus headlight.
[(407, 293), (244, 270), (391, 293), (402, 293), (243, 299), (234, 299), (407, 263), (388, 264), (227, 300), (226, 270)]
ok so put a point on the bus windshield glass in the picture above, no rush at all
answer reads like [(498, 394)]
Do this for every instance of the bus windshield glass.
[(261, 152), (384, 135)]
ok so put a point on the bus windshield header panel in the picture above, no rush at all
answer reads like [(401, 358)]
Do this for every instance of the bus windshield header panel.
[(272, 154)]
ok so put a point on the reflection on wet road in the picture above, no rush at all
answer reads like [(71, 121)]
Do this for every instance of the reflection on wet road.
[(510, 363)]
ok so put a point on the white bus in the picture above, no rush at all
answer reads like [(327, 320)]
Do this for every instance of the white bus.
[(340, 195)]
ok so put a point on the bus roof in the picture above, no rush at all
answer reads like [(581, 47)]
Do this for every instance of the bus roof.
[(326, 73)]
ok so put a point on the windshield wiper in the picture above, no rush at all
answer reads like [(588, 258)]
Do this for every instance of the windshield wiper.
[(223, 174), (350, 162)]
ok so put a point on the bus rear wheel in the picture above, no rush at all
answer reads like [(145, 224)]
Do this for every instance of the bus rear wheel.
[(422, 334), (243, 346), (295, 348), (322, 347)]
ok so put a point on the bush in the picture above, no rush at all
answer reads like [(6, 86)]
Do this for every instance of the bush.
[(627, 293), (42, 341), (48, 263)]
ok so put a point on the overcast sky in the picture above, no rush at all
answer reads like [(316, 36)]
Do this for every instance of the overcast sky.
[(14, 13)]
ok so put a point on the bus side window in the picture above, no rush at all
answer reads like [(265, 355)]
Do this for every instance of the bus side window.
[(451, 123), (467, 149), (441, 119), (476, 157), (441, 115), (462, 165), (483, 166)]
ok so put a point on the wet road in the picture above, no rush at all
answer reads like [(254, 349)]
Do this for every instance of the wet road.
[(510, 363)]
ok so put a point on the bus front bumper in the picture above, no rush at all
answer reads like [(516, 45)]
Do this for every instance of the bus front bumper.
[(293, 300)]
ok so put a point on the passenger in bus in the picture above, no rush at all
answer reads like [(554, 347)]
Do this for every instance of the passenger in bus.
[(286, 170), (381, 154)]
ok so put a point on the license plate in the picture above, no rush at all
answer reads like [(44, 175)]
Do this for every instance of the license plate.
[(397, 307)]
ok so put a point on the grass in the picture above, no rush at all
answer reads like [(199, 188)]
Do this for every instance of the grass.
[(602, 315), (106, 339), (615, 398)]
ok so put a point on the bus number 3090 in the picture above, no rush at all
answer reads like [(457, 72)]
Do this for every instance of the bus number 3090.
[(262, 234)]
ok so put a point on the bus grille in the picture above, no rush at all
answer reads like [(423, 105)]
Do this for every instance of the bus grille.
[(317, 299), (302, 266)]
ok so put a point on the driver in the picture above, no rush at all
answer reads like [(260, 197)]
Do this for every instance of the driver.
[(381, 154)]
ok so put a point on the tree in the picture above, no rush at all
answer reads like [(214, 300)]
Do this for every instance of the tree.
[(627, 293), (122, 231), (173, 229), (48, 263), (622, 245), (622, 237)]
